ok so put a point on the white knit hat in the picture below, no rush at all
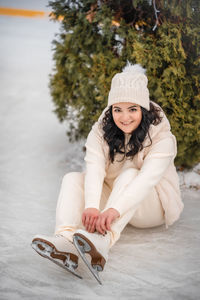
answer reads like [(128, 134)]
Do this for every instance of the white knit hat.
[(130, 86)]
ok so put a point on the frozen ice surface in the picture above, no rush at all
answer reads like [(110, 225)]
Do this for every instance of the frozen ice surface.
[(34, 155)]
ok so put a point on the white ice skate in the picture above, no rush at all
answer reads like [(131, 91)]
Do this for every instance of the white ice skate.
[(97, 246), (59, 250)]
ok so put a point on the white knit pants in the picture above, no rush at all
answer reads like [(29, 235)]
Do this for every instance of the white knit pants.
[(70, 205)]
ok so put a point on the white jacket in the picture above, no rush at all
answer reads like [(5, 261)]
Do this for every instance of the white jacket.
[(155, 164)]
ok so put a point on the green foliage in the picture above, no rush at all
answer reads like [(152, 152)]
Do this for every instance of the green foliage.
[(91, 48)]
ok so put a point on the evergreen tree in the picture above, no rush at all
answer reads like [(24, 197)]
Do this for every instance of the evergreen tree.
[(98, 37)]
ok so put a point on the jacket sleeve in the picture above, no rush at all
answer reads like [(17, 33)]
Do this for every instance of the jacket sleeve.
[(154, 166), (95, 167)]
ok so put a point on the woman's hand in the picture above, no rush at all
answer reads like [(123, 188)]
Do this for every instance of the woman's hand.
[(89, 218), (105, 220)]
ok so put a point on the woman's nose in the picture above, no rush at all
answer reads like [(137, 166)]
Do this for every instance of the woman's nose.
[(125, 116)]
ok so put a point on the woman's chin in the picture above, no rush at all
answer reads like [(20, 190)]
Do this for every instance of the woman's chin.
[(127, 131)]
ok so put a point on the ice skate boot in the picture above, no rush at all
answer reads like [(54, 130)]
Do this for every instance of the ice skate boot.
[(97, 246), (59, 250)]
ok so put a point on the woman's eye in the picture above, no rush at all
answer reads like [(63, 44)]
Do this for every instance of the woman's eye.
[(133, 109), (116, 110)]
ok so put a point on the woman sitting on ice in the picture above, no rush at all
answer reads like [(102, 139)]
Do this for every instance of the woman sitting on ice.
[(130, 177)]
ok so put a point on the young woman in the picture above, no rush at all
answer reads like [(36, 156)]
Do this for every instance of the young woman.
[(130, 177)]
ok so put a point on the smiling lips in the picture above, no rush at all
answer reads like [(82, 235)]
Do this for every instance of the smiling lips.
[(126, 124)]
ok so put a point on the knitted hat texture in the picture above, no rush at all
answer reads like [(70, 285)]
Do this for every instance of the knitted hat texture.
[(130, 86)]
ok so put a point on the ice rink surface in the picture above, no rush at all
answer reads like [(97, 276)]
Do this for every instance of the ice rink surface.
[(34, 155)]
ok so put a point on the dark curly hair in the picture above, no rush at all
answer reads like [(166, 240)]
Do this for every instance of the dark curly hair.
[(116, 138)]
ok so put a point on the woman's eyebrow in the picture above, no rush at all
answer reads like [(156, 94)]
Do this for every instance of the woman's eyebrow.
[(133, 106), (116, 107)]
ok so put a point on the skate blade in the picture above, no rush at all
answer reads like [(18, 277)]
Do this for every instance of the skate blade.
[(48, 250), (81, 251)]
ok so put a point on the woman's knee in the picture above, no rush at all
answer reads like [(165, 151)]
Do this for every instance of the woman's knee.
[(127, 175), (149, 213), (76, 177)]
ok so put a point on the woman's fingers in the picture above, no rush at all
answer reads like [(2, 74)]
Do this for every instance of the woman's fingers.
[(91, 228), (109, 222), (100, 224), (87, 221), (90, 225), (112, 215), (94, 224), (98, 228), (103, 224), (92, 220), (88, 216)]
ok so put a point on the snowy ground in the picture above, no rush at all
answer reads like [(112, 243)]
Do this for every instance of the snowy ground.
[(34, 155)]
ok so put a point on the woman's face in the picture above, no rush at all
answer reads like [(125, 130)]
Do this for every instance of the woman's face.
[(127, 116)]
